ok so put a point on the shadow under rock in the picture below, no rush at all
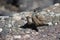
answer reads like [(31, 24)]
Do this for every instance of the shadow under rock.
[(32, 26)]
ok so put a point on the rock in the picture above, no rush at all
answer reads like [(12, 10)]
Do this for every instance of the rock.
[(50, 23), (26, 36), (16, 17), (9, 25), (57, 4), (44, 35), (1, 29), (17, 36), (9, 37), (56, 23), (28, 31), (48, 10)]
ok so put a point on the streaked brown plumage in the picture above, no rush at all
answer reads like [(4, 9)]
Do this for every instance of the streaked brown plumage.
[(37, 20)]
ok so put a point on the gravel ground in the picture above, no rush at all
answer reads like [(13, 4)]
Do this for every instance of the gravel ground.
[(44, 33)]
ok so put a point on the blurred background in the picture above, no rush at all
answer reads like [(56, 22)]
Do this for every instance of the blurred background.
[(24, 5)]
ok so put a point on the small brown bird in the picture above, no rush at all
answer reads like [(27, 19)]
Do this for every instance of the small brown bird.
[(37, 20)]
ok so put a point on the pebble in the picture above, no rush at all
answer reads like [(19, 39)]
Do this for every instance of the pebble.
[(57, 4), (28, 31), (37, 33), (43, 12), (44, 35), (34, 33), (38, 13), (50, 23), (48, 10), (57, 14), (9, 37), (56, 23), (13, 22), (55, 37), (17, 36), (16, 17), (10, 30), (19, 25), (52, 13), (1, 29), (54, 7), (9, 25), (2, 18), (26, 36), (41, 30)]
